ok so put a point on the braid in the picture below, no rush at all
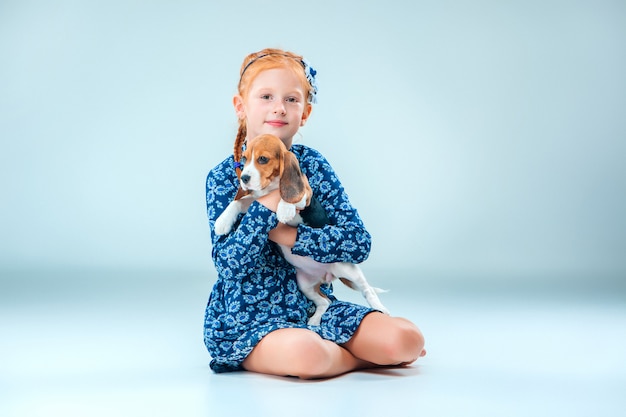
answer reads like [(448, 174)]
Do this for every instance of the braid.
[(241, 137)]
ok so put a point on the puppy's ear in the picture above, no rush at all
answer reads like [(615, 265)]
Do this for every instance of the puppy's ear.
[(241, 193), (293, 183)]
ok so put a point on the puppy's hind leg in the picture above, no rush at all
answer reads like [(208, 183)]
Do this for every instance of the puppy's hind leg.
[(351, 275), (312, 292)]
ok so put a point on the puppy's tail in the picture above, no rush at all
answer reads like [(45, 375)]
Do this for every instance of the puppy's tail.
[(351, 284)]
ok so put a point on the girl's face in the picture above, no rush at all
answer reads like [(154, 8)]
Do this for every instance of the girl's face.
[(276, 104)]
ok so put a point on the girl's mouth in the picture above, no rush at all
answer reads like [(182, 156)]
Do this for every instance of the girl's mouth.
[(276, 123)]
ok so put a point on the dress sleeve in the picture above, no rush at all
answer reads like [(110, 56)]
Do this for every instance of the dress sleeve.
[(345, 239), (236, 253)]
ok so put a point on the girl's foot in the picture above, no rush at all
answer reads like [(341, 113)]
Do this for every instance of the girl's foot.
[(422, 354)]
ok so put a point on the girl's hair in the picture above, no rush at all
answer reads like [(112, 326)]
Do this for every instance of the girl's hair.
[(267, 59)]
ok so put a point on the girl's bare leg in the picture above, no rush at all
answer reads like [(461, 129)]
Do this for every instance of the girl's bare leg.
[(384, 340), (301, 353)]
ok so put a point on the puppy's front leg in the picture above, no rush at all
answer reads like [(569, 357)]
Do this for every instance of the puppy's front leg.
[(225, 222), (285, 212)]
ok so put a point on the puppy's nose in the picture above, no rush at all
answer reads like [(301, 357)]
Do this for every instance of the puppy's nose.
[(245, 178)]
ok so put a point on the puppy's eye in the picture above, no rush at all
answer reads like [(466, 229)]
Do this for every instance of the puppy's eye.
[(263, 160), (243, 160)]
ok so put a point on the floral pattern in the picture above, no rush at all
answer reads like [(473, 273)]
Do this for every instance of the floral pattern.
[(256, 290)]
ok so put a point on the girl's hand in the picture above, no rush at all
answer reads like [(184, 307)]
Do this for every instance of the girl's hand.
[(282, 234), (270, 200)]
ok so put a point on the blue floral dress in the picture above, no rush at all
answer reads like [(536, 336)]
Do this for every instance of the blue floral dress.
[(256, 290)]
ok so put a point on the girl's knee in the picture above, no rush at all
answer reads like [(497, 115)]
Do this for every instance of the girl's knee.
[(310, 356), (293, 352), (315, 359), (404, 343)]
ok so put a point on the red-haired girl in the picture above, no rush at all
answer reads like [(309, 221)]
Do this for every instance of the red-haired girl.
[(256, 317)]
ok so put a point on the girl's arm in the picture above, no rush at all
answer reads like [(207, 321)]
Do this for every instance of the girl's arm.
[(345, 239), (282, 234), (236, 253)]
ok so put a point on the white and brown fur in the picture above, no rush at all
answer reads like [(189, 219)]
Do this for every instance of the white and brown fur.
[(268, 165)]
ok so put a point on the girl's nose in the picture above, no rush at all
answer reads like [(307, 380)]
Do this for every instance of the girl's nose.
[(279, 107)]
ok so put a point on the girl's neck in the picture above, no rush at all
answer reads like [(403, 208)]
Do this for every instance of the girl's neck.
[(286, 142)]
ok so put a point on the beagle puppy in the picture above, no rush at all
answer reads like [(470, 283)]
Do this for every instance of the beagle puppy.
[(267, 165)]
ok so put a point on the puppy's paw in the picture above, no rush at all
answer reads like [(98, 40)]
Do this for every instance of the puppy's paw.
[(377, 305), (223, 224), (285, 212), (321, 308), (374, 301), (383, 310)]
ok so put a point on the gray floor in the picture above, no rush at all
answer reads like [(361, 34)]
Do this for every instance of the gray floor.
[(129, 344)]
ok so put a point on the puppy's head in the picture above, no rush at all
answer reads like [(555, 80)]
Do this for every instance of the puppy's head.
[(263, 163), (268, 165)]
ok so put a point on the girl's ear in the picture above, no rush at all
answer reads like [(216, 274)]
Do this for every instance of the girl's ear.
[(306, 114), (239, 107)]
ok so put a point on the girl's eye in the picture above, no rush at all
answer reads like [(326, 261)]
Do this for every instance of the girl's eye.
[(266, 96), (292, 100), (263, 160)]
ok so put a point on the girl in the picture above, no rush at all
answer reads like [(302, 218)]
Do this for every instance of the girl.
[(256, 317)]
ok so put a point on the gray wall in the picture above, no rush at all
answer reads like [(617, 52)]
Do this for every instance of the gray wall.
[(478, 139)]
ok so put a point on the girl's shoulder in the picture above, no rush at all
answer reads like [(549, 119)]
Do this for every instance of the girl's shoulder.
[(224, 171), (312, 161), (304, 152), (223, 166)]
